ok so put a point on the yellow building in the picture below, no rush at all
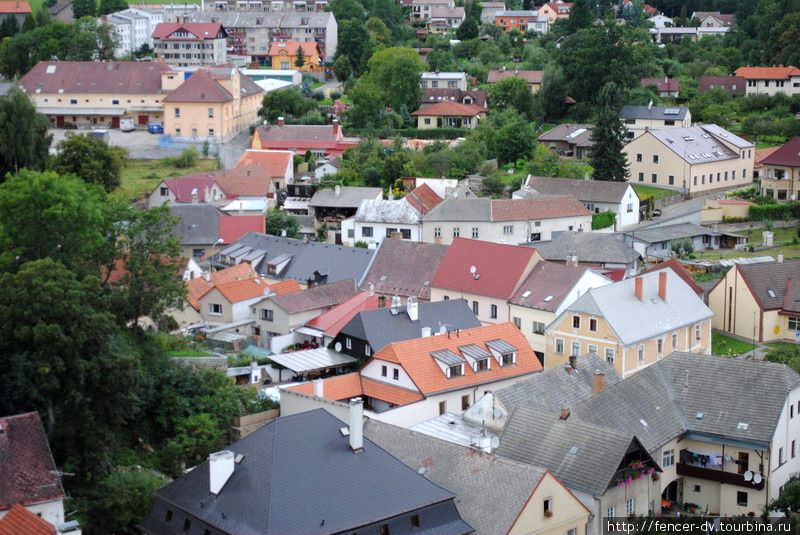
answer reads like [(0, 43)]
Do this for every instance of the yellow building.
[(780, 172), (449, 114), (283, 55), (719, 210), (218, 103), (632, 323), (693, 159), (758, 301)]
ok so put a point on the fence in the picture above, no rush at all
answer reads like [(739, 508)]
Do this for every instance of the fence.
[(244, 425), (168, 141)]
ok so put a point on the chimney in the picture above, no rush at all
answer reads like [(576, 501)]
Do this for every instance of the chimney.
[(437, 240), (638, 288), (206, 275), (319, 388), (396, 236), (395, 301), (412, 308), (572, 260), (220, 469), (195, 196), (442, 329), (564, 414), (280, 121), (356, 425), (573, 362), (599, 382), (337, 190), (662, 285), (425, 332), (335, 124), (780, 257)]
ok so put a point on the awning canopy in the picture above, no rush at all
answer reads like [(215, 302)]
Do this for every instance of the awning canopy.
[(147, 108), (81, 111), (310, 360), (309, 331)]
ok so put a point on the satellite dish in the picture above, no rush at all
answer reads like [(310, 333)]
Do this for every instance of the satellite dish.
[(338, 347), (748, 476), (757, 479), (497, 414), (494, 442), (473, 269)]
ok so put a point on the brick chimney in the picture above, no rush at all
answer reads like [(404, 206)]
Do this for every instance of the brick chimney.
[(280, 121), (573, 362), (638, 283), (564, 414), (335, 124), (598, 382), (662, 285)]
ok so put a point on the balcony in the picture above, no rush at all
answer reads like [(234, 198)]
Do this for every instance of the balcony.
[(683, 468)]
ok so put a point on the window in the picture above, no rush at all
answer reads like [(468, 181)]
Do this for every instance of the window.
[(348, 343), (669, 122), (464, 402), (414, 521), (793, 449), (483, 365), (177, 112), (405, 233), (215, 308), (384, 371), (427, 120), (697, 332), (674, 340), (474, 232), (660, 346), (73, 101), (559, 345), (384, 529), (741, 497), (576, 322), (610, 355), (367, 350), (210, 131), (641, 177), (266, 315), (442, 407), (187, 524), (199, 253), (168, 516), (396, 374), (780, 457), (611, 512), (456, 232), (638, 157), (630, 506), (210, 113), (538, 327), (194, 132), (641, 354), (593, 349), (655, 158), (536, 236), (390, 231), (508, 229), (654, 178), (794, 324), (517, 322), (455, 371), (366, 232), (576, 349), (671, 180), (507, 359), (667, 458), (493, 311), (437, 232), (572, 531), (548, 506), (475, 307), (593, 325), (697, 488)]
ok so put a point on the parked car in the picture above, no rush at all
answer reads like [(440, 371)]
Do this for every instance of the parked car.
[(155, 128), (127, 125), (100, 134)]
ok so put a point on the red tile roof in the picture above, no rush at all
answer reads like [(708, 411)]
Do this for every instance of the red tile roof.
[(16, 7), (332, 321), (244, 181), (389, 393), (423, 198), (735, 85), (450, 109), (245, 289), (763, 153), (26, 464), (199, 87), (109, 77), (498, 268), (547, 279), (788, 154), (317, 297), (680, 271), (20, 521), (537, 208), (200, 30), (274, 162), (767, 73), (336, 388), (663, 84), (415, 357), (183, 186), (119, 269), (290, 48), (233, 227), (197, 288), (532, 77), (304, 137)]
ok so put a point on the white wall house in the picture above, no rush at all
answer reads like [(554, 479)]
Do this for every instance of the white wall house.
[(377, 220)]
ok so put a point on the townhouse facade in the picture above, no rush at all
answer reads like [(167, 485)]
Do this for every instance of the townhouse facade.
[(639, 119), (441, 80), (190, 44), (780, 172), (532, 78), (771, 80), (134, 28), (522, 20)]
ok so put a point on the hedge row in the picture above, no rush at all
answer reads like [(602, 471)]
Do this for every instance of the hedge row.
[(417, 133), (603, 220), (762, 212)]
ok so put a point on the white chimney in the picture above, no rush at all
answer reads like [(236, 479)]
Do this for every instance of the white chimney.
[(395, 301), (356, 425), (220, 469), (412, 308), (319, 388), (195, 196), (280, 121), (442, 329), (337, 190), (425, 332), (780, 257)]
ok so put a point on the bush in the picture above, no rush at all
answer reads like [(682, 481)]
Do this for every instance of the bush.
[(187, 158), (336, 95), (603, 220), (361, 244), (772, 212)]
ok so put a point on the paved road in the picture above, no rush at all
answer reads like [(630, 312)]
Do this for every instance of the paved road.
[(684, 211)]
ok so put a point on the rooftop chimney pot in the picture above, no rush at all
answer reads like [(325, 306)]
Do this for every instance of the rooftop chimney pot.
[(319, 388), (573, 362), (638, 284), (564, 414), (356, 425), (598, 382), (280, 121), (662, 285), (412, 309)]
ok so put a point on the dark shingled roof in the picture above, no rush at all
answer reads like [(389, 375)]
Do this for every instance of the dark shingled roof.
[(547, 279), (90, 77), (403, 268), (653, 112), (770, 276), (198, 224), (788, 154), (26, 464), (592, 247), (323, 296), (735, 85), (380, 327), (583, 190), (299, 475)]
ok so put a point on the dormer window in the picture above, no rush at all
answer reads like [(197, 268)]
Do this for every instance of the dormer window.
[(483, 365), (508, 359), (455, 371)]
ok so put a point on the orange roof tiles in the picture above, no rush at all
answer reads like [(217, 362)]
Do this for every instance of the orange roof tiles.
[(332, 321), (537, 208), (415, 357), (423, 198), (14, 6), (767, 73), (389, 393), (285, 287), (197, 288), (20, 521), (274, 162), (254, 287), (336, 388), (290, 48)]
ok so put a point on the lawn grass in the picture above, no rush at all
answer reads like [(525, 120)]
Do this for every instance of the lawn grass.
[(731, 347), (140, 176), (189, 353), (781, 345), (647, 192)]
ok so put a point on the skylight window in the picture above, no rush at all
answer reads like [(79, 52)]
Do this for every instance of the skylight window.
[(771, 293), (526, 294), (548, 299), (573, 450), (644, 424), (742, 426), (699, 415)]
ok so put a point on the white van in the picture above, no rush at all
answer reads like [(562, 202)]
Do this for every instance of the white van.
[(127, 125)]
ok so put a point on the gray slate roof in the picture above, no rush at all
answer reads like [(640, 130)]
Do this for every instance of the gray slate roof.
[(770, 276), (577, 134), (477, 479), (623, 312), (402, 267), (653, 112), (397, 211), (596, 247), (380, 327), (461, 209), (299, 475), (555, 388), (584, 456), (348, 197), (697, 144), (671, 393), (198, 224), (583, 190), (316, 297), (670, 232), (336, 262)]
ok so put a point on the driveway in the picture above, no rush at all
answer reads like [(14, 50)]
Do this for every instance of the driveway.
[(681, 212)]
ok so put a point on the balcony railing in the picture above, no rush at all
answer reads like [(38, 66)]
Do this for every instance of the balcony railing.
[(715, 474)]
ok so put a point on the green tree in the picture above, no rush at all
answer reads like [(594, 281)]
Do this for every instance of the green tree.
[(9, 27), (553, 94), (507, 136), (342, 69), (379, 32), (280, 223), (608, 138), (84, 8), (788, 501), (23, 134), (467, 29), (111, 6), (198, 436), (122, 499), (512, 92), (581, 15), (353, 41), (91, 159), (300, 58), (367, 103), (346, 10), (789, 355), (286, 103), (681, 247), (396, 71), (492, 185)]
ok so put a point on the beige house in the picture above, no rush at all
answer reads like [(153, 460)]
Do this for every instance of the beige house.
[(693, 159), (192, 44), (758, 301), (771, 80), (532, 78), (450, 115), (231, 301), (632, 323), (780, 172), (638, 119), (215, 103), (719, 210)]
